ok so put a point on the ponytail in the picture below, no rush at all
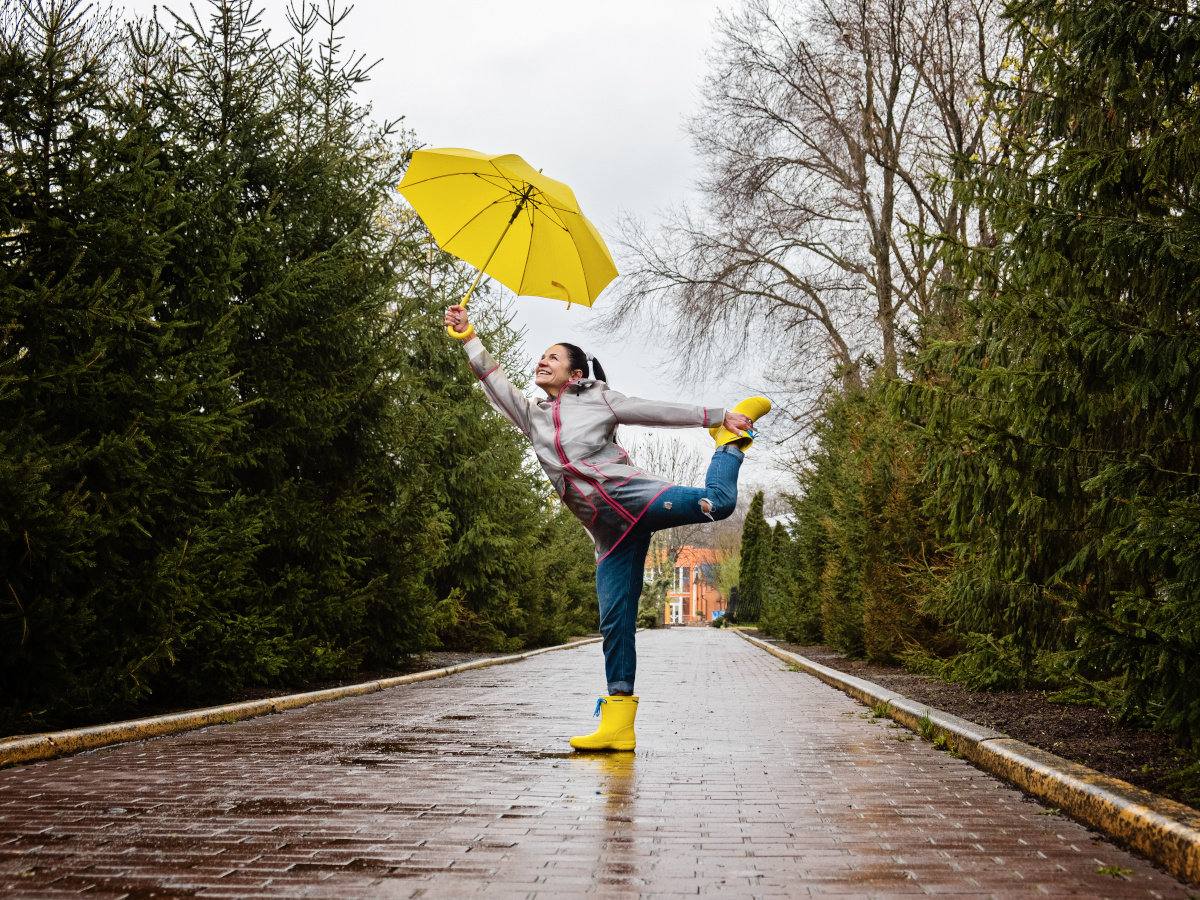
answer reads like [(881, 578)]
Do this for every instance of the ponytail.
[(584, 362)]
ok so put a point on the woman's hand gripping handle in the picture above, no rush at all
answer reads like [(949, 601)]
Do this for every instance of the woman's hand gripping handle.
[(458, 325)]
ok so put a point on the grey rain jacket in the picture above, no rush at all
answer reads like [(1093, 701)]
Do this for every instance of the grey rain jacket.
[(573, 439)]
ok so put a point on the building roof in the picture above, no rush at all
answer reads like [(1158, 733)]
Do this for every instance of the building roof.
[(690, 556), (697, 556)]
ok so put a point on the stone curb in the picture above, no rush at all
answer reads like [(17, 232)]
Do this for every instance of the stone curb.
[(1161, 829), (35, 747)]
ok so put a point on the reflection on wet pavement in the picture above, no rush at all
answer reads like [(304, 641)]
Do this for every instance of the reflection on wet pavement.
[(749, 780)]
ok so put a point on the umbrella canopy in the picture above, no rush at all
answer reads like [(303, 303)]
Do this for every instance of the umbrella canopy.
[(510, 221)]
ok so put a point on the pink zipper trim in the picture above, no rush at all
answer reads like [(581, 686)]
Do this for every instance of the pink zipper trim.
[(562, 457), (613, 480), (595, 512), (620, 510), (635, 521)]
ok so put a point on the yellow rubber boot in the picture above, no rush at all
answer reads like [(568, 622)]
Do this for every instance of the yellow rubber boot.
[(616, 726), (752, 407)]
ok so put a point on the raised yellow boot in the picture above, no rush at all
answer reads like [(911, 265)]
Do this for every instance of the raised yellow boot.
[(616, 726), (752, 407)]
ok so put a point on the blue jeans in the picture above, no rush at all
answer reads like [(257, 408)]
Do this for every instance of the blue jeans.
[(619, 576)]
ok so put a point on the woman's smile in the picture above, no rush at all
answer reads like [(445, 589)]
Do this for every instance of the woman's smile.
[(553, 370)]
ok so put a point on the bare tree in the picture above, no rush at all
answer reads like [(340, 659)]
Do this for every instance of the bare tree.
[(672, 458), (830, 131)]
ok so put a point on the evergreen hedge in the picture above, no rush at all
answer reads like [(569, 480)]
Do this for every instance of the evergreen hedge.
[(1023, 510), (235, 445)]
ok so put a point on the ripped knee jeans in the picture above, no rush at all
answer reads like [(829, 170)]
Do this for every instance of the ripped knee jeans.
[(694, 506)]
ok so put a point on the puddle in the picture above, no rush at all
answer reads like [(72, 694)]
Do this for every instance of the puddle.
[(361, 866), (313, 747), (375, 753), (400, 747), (275, 806)]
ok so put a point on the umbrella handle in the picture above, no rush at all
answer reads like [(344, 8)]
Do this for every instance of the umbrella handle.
[(463, 335)]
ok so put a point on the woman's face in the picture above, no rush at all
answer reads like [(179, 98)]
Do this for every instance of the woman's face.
[(552, 370)]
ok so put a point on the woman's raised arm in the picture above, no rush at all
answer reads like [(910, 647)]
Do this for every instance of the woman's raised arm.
[(505, 398)]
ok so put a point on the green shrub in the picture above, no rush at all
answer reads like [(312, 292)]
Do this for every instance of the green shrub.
[(859, 561)]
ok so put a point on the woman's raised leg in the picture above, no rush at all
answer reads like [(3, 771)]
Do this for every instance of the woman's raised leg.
[(692, 506)]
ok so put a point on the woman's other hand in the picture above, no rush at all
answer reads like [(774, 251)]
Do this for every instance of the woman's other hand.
[(456, 318), (737, 423)]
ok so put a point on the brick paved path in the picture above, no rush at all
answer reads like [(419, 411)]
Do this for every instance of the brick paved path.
[(749, 781)]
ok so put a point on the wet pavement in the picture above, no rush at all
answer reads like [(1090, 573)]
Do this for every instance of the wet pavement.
[(749, 780)]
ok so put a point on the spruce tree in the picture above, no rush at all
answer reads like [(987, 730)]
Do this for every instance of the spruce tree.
[(321, 352), (514, 568), (812, 507), (755, 560), (109, 429), (778, 586), (865, 559), (494, 502)]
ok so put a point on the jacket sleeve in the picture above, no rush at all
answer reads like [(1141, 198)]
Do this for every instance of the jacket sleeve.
[(635, 411), (501, 393)]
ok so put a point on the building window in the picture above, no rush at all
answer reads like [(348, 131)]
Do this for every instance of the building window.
[(683, 579)]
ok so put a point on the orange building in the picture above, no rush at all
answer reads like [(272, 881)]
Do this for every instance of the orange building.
[(693, 596)]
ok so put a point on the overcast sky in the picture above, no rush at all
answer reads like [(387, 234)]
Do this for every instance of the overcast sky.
[(594, 93)]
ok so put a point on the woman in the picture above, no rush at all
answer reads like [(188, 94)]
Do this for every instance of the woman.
[(572, 432)]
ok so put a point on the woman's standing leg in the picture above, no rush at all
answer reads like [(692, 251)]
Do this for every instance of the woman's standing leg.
[(619, 579), (619, 586), (620, 575)]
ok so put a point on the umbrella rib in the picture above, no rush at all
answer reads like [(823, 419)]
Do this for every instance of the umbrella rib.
[(529, 249), (534, 201), (440, 177), (517, 189), (510, 187), (508, 184), (472, 219), (578, 261), (429, 178)]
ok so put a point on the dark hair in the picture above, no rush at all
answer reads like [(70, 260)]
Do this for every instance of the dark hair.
[(577, 359)]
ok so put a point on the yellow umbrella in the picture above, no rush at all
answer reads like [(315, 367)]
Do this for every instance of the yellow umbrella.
[(504, 218)]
